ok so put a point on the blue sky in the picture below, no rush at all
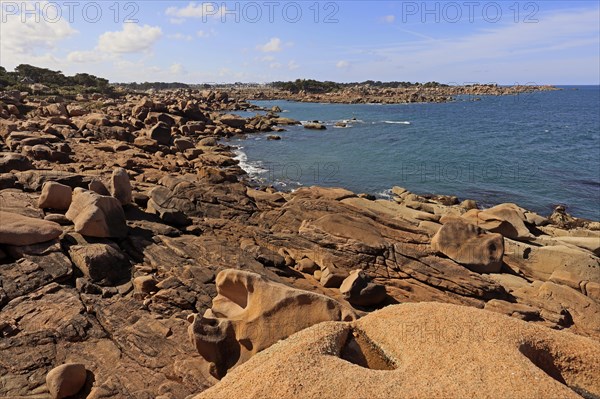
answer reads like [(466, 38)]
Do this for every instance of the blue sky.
[(505, 42)]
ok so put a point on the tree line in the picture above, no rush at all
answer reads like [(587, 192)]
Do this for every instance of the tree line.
[(315, 86), (154, 85), (25, 74)]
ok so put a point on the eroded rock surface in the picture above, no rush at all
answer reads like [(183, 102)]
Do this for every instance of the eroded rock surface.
[(421, 351), (469, 245), (160, 207), (55, 196), (251, 313)]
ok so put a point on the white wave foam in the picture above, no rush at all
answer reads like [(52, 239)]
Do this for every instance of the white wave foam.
[(398, 122), (252, 168), (385, 194)]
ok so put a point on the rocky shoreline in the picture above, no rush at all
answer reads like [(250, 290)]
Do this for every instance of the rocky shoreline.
[(364, 94), (135, 261)]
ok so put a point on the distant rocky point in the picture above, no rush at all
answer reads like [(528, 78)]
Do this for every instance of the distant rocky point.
[(378, 93)]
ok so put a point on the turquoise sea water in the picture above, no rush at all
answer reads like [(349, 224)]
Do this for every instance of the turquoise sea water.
[(537, 150)]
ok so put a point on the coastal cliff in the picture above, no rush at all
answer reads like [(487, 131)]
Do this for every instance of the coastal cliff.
[(133, 247)]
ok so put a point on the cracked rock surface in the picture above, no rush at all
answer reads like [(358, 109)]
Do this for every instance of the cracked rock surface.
[(110, 283)]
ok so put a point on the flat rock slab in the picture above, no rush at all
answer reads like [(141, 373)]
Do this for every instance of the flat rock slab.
[(16, 229), (127, 351), (16, 201), (35, 179), (37, 266)]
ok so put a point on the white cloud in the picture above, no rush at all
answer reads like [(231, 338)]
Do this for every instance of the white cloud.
[(225, 72), (268, 58), (293, 65), (122, 70), (193, 10), (180, 36), (272, 46), (390, 19), (132, 39), (45, 60), (540, 52), (142, 71), (275, 65), (29, 36), (177, 69), (82, 57), (343, 64), (204, 34), (559, 31)]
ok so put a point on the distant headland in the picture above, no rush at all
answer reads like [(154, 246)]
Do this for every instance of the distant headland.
[(33, 79)]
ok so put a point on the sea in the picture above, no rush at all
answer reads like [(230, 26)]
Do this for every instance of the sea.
[(537, 150)]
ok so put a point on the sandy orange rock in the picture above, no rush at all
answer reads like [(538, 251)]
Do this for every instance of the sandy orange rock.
[(421, 350), (121, 186)]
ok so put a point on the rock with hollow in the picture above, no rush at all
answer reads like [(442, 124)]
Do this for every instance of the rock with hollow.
[(421, 350), (251, 313)]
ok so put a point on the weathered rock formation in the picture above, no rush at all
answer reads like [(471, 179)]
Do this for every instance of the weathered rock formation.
[(469, 245), (120, 186), (96, 215), (357, 290), (251, 313), (421, 351)]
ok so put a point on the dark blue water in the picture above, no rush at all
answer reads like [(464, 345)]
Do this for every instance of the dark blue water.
[(537, 150)]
